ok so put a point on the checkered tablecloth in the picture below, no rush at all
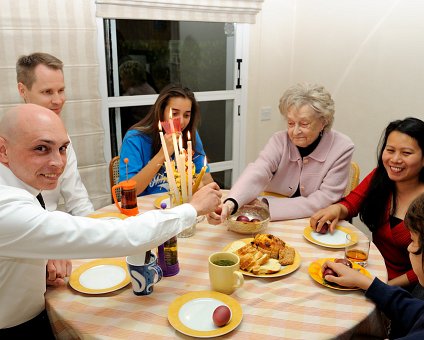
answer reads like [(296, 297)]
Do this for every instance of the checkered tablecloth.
[(288, 307)]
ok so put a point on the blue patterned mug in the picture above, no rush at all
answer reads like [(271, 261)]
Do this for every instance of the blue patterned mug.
[(143, 276)]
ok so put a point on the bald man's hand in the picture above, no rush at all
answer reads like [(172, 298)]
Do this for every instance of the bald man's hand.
[(206, 199), (57, 271)]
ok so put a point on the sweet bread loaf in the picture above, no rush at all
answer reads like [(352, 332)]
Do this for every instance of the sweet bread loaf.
[(264, 255), (251, 259), (270, 244)]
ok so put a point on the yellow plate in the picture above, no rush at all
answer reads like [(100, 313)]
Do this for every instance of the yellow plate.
[(315, 271), (335, 240), (284, 269), (191, 314), (273, 194), (160, 199), (100, 276), (109, 215)]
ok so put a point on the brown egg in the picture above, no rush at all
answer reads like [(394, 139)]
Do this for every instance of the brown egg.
[(242, 218), (329, 271), (324, 228), (221, 316)]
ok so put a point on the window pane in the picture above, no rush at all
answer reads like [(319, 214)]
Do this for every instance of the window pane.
[(198, 55), (216, 129), (223, 178), (131, 115), (216, 126)]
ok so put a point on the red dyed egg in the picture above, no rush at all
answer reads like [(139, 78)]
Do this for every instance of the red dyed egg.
[(242, 218), (221, 316)]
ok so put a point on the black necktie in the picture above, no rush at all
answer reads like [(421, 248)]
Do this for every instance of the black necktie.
[(40, 199)]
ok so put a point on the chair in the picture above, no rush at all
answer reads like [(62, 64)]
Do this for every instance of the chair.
[(114, 175), (353, 178)]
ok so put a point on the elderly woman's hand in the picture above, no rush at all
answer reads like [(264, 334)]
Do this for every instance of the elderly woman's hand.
[(215, 216), (221, 213), (227, 209)]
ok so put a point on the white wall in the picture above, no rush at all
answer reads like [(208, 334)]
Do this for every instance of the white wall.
[(368, 54)]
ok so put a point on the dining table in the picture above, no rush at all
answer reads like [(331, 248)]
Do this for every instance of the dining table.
[(291, 306)]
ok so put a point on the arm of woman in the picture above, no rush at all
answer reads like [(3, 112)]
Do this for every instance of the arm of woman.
[(207, 178), (257, 175), (332, 214), (146, 174), (141, 166)]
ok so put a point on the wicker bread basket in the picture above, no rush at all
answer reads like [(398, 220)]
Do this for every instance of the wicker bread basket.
[(250, 228)]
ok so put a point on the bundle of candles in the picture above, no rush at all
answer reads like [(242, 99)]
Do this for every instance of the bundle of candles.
[(181, 177)]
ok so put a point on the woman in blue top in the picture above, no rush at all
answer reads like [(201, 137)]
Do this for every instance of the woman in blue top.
[(142, 145)]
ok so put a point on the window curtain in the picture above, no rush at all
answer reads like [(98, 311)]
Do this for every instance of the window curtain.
[(242, 11), (67, 30)]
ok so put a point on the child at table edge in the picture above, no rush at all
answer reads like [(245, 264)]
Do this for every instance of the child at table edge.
[(405, 312)]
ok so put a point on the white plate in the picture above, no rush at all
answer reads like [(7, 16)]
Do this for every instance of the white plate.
[(191, 314), (196, 314), (100, 276), (335, 240), (338, 237)]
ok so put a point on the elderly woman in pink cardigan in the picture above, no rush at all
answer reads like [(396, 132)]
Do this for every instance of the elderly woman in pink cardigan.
[(308, 163)]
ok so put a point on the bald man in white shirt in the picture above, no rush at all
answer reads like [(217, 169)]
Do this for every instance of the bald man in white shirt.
[(33, 143)]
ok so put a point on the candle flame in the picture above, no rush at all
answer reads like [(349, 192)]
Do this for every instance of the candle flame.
[(188, 135), (160, 126), (180, 143), (204, 162), (170, 113)]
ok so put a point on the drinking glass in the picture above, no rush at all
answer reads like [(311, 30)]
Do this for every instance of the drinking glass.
[(357, 252)]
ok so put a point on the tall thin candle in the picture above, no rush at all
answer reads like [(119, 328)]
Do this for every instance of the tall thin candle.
[(174, 136), (190, 167), (168, 166), (200, 176), (183, 172)]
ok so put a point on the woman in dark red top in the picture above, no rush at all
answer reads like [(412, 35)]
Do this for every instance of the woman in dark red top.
[(383, 197)]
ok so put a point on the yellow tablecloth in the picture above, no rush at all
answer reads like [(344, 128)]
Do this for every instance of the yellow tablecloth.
[(288, 307)]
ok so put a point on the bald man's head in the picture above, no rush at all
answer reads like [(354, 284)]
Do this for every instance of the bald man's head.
[(33, 142)]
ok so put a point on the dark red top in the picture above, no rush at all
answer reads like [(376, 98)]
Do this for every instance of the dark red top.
[(392, 242)]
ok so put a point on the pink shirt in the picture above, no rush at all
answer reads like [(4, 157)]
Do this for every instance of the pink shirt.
[(322, 175)]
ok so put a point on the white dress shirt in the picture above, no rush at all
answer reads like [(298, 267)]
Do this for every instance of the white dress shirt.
[(29, 235)]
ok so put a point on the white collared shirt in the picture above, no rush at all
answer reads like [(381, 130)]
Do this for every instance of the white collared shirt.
[(29, 235)]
